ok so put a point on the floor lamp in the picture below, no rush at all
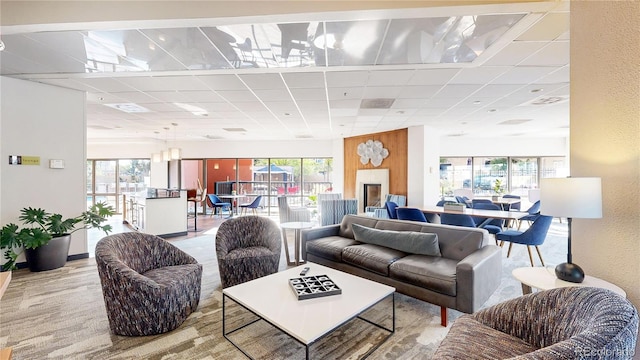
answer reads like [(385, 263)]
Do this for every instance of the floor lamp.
[(572, 197)]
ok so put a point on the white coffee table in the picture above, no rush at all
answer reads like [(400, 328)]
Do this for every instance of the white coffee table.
[(307, 321), (544, 278)]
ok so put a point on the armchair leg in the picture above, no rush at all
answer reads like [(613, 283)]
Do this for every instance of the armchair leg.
[(443, 316), (509, 251), (539, 255), (530, 257)]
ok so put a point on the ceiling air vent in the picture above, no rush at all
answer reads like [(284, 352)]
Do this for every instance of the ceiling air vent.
[(547, 100), (235, 129), (376, 103), (304, 136)]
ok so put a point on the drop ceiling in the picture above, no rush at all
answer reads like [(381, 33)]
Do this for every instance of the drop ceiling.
[(475, 72)]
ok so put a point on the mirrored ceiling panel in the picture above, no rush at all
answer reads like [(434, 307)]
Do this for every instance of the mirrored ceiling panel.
[(352, 43), (190, 46), (435, 40), (445, 40), (126, 50)]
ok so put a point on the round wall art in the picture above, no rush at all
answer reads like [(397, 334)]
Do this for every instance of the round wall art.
[(373, 151)]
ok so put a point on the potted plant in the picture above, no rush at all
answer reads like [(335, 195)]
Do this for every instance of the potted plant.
[(45, 237), (497, 188)]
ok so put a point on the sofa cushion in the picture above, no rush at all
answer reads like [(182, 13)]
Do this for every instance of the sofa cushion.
[(469, 339), (431, 272), (348, 220), (330, 247), (410, 242), (371, 257)]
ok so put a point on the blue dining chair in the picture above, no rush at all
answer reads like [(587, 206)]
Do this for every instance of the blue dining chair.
[(493, 226), (463, 200), (216, 204), (480, 201), (534, 212), (533, 236), (413, 214), (457, 220), (391, 209), (514, 206), (252, 205)]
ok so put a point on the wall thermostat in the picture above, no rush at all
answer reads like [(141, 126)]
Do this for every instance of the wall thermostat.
[(56, 164)]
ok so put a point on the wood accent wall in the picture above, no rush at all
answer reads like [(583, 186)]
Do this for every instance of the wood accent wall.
[(396, 142)]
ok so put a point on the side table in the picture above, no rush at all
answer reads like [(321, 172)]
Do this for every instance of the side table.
[(297, 226), (544, 278)]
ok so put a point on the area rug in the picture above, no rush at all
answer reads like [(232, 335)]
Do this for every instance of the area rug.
[(60, 314)]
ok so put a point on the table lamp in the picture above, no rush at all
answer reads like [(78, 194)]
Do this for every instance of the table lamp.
[(572, 197)]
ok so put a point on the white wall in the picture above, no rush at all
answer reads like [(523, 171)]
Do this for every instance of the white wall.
[(513, 146), (49, 122), (216, 149)]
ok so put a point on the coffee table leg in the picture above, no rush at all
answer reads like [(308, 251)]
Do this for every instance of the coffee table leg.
[(526, 289)]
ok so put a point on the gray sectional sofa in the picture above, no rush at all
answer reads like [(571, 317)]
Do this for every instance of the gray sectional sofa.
[(400, 253)]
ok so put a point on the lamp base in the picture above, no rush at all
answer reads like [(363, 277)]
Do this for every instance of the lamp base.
[(569, 272)]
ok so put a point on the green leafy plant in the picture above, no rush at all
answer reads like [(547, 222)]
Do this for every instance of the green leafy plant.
[(39, 227), (497, 187)]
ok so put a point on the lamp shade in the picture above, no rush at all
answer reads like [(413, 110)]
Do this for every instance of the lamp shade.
[(572, 197), (175, 153)]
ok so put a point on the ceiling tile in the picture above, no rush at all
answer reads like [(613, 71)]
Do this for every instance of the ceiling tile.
[(433, 76), (418, 92), (263, 81), (514, 53), (273, 95), (309, 94), (390, 77), (555, 53), (310, 80), (222, 82), (550, 27), (523, 75), (347, 78), (478, 75), (237, 95)]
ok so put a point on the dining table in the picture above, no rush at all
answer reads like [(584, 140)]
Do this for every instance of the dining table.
[(505, 203), (234, 199), (487, 214)]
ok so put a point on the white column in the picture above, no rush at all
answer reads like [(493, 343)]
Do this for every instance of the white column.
[(423, 161)]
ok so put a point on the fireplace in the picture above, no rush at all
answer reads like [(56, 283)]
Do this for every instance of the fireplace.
[(372, 194), (379, 178)]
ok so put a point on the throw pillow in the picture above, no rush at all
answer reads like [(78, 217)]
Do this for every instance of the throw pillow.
[(406, 241)]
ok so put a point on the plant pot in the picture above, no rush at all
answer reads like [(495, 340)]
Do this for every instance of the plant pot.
[(50, 256)]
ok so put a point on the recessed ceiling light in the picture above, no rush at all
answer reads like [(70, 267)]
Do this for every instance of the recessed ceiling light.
[(492, 110), (536, 90), (192, 109), (287, 114), (477, 102), (514, 121), (235, 129), (128, 107)]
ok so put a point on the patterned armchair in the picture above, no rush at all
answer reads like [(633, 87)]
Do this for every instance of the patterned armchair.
[(563, 323), (149, 285), (247, 248), (332, 211), (289, 214), (381, 212)]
